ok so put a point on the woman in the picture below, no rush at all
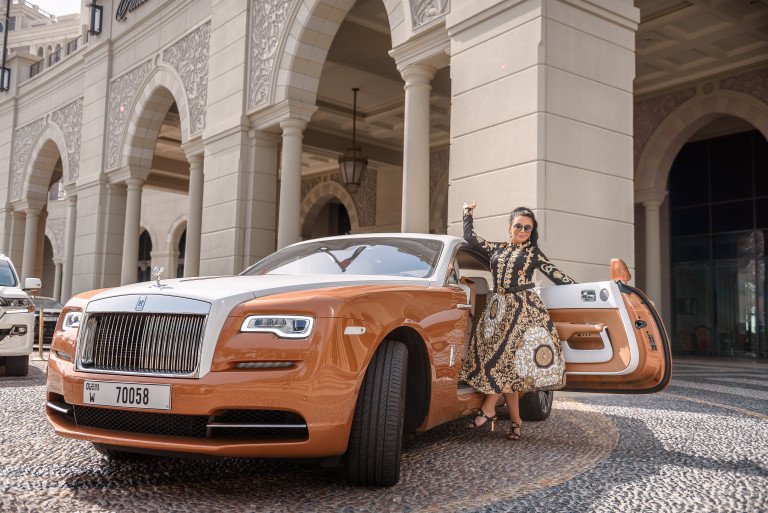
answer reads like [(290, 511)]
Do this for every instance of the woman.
[(515, 346)]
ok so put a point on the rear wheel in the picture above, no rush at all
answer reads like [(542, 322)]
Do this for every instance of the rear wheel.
[(114, 453), (536, 406), (16, 365), (375, 440)]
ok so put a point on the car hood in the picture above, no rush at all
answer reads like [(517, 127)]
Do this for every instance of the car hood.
[(236, 289), (14, 292)]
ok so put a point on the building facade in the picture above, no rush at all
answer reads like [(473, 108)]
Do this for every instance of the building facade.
[(201, 135)]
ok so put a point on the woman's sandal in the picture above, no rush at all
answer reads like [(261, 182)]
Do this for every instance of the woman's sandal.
[(514, 431), (481, 413)]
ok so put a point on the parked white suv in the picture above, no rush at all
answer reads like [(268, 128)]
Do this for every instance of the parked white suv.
[(17, 319)]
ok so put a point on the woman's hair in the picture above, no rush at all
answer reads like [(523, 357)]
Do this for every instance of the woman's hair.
[(527, 212)]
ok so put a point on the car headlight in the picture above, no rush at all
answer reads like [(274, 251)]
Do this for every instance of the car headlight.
[(72, 320), (284, 326), (15, 302)]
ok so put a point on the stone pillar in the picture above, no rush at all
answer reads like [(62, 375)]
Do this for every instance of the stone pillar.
[(262, 197), (30, 243), (131, 233), (288, 229), (652, 250), (57, 282), (415, 207), (194, 216), (538, 119), (69, 252)]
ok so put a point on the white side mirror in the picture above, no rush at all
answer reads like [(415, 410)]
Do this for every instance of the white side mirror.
[(32, 283)]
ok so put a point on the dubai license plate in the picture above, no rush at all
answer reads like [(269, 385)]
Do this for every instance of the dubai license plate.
[(127, 395)]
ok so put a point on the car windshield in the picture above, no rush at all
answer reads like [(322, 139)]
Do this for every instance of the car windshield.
[(47, 303), (415, 258), (7, 278)]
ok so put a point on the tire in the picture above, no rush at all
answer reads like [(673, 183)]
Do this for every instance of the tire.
[(113, 453), (376, 437), (17, 365), (536, 406)]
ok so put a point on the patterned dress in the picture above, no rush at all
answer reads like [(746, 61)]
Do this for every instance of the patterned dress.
[(516, 345)]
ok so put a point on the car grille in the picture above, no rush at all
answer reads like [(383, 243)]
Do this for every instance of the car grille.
[(242, 424), (49, 327), (150, 343)]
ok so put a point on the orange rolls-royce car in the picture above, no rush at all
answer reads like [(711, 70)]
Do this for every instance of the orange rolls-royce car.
[(326, 349)]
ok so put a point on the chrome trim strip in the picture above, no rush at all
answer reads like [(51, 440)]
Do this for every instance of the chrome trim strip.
[(278, 426), (60, 409), (155, 303)]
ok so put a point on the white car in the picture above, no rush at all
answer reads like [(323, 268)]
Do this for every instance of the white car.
[(17, 318)]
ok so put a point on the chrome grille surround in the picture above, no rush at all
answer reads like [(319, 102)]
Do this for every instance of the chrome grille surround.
[(164, 338)]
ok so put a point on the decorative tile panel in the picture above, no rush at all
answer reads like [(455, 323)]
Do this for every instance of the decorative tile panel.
[(424, 11), (70, 120), (650, 113), (267, 22), (754, 84), (122, 91), (189, 57), (23, 139)]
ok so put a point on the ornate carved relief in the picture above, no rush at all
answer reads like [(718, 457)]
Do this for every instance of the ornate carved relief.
[(651, 112), (122, 91), (70, 120), (23, 139), (189, 56), (364, 197), (754, 84), (424, 11), (267, 20), (54, 228)]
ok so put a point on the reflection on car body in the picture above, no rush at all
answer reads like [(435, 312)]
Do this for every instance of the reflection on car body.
[(328, 348)]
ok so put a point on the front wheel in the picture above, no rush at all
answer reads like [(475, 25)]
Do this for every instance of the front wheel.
[(375, 440), (536, 406)]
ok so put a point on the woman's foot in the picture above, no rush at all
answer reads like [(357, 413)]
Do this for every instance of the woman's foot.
[(514, 431), (481, 419)]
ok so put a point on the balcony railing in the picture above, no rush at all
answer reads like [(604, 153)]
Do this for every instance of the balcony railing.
[(36, 68), (54, 57)]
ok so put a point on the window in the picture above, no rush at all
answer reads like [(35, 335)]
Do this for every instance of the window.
[(12, 23)]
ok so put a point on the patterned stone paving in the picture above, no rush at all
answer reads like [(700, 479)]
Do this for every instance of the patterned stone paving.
[(702, 445)]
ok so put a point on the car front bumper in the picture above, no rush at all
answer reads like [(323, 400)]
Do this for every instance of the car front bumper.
[(326, 409), (11, 343)]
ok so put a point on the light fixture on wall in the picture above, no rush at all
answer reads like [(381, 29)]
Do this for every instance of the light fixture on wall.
[(97, 12), (352, 163)]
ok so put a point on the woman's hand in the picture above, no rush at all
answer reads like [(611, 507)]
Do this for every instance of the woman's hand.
[(470, 206)]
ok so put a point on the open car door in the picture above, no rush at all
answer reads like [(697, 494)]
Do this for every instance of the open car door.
[(613, 338)]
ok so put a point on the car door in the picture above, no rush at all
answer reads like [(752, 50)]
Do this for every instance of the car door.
[(613, 338)]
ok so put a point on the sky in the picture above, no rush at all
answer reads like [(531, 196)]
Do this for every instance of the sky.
[(58, 7)]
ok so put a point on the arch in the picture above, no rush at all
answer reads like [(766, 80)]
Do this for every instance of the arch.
[(319, 195), (161, 89), (296, 74), (668, 139), (57, 241), (174, 234), (40, 51), (49, 147)]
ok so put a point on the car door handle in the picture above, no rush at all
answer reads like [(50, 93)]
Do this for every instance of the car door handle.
[(464, 306)]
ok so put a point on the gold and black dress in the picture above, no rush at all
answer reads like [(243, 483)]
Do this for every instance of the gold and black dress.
[(515, 345)]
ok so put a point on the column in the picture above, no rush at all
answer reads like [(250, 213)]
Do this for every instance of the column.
[(653, 250), (69, 252), (194, 216), (30, 243), (57, 281), (131, 233), (261, 226), (288, 229), (415, 208)]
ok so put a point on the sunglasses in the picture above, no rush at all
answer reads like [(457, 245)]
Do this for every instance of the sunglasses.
[(527, 228)]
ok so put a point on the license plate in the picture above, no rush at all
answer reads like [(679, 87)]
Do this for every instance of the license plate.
[(127, 395)]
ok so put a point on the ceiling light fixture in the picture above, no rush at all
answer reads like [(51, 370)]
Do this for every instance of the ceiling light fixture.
[(352, 163)]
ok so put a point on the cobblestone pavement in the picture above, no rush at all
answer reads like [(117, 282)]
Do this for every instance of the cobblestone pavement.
[(702, 445)]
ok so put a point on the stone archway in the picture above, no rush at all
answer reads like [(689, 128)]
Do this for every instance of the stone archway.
[(162, 88), (48, 149), (299, 37), (316, 199), (677, 128)]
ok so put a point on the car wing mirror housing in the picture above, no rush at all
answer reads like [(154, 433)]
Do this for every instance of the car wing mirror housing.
[(32, 283), (619, 270)]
